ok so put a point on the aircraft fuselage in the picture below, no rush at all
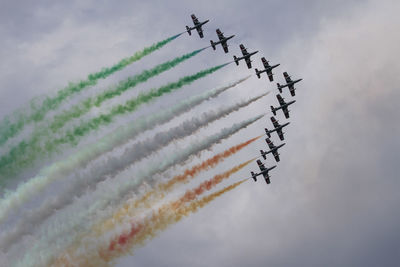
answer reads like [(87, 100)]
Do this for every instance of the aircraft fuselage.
[(224, 39), (196, 26), (247, 56), (291, 83), (285, 105)]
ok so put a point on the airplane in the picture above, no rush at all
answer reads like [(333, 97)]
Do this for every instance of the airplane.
[(273, 150), (267, 68), (246, 56), (289, 83), (264, 172), (277, 128), (222, 40), (283, 106), (197, 26)]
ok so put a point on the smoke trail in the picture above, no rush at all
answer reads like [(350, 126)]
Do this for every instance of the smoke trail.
[(78, 110), (148, 199), (116, 164), (165, 216), (129, 209), (62, 229), (82, 158), (139, 231), (26, 153), (10, 127)]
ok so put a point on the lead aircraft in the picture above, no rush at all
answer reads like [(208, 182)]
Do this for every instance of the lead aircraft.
[(197, 26)]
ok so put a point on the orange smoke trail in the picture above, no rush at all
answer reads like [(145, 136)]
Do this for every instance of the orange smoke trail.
[(140, 231), (160, 220), (130, 209)]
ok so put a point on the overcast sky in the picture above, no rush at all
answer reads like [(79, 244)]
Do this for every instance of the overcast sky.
[(334, 197)]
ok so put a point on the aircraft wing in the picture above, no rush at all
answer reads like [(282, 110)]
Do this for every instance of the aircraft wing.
[(275, 122), (280, 99), (280, 134), (248, 62), (286, 112), (266, 177), (200, 31), (261, 165), (195, 20), (220, 35), (244, 50), (270, 75), (287, 77), (269, 143), (276, 155), (265, 63), (291, 89), (225, 46)]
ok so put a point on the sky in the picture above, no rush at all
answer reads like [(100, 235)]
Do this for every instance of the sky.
[(333, 199)]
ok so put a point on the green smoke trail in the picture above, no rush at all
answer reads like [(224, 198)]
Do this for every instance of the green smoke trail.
[(10, 127), (84, 107), (25, 154)]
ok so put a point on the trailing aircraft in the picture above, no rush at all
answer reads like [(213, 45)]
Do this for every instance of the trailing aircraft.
[(263, 171), (283, 106), (289, 83), (277, 128), (267, 68), (222, 40), (273, 150), (246, 56)]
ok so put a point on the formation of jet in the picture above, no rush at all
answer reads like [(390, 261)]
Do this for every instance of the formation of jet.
[(263, 171), (197, 26), (282, 105), (222, 40), (267, 68), (289, 83), (272, 149), (246, 56)]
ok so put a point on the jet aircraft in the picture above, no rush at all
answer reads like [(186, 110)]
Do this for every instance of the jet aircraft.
[(222, 40), (273, 150), (263, 171), (289, 83), (246, 56), (283, 106), (197, 26), (277, 128), (267, 68)]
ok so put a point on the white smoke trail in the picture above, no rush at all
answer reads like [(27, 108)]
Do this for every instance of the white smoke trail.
[(61, 230), (112, 166), (82, 158)]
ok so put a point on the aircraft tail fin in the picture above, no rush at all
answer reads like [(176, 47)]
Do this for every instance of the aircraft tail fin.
[(267, 133), (263, 154), (188, 30), (279, 87), (212, 44), (253, 176), (273, 110), (258, 73), (236, 60)]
